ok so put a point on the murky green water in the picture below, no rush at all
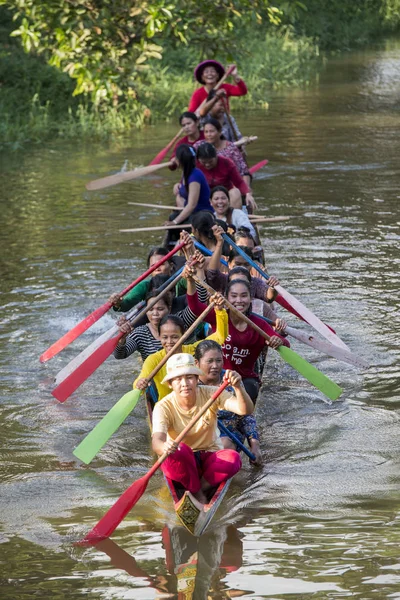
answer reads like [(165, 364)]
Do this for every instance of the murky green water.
[(322, 518)]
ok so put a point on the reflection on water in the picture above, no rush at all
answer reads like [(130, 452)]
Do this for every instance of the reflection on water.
[(321, 518)]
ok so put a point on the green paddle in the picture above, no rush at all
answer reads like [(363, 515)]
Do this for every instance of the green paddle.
[(309, 372), (91, 444), (95, 440)]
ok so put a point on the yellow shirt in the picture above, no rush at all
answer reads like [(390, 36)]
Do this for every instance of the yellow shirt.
[(153, 360), (170, 418)]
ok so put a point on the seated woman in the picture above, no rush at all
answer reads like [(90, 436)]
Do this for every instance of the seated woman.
[(219, 170), (243, 343), (213, 135), (171, 329), (208, 73), (209, 359), (139, 292), (217, 110), (233, 216), (190, 124), (201, 463)]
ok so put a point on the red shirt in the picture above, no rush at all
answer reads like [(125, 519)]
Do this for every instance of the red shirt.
[(226, 174), (241, 348), (201, 94)]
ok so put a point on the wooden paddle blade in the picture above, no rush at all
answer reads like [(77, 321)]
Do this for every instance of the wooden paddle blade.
[(327, 347), (75, 332), (113, 517), (312, 319), (73, 381), (105, 182), (311, 373), (99, 436), (258, 166)]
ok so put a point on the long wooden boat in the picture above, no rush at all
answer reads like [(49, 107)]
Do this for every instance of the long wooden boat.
[(193, 515)]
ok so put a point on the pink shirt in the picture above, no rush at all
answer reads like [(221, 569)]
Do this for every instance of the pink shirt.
[(241, 348), (201, 94)]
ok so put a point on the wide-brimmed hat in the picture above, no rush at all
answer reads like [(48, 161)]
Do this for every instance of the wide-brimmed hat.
[(208, 63), (181, 364)]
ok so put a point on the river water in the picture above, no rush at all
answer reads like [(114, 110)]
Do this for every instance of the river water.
[(321, 519)]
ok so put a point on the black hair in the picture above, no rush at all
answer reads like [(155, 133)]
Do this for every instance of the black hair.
[(157, 281), (160, 251), (205, 151), (247, 286), (188, 115), (214, 122), (204, 347), (224, 226), (219, 188), (236, 271), (153, 294), (187, 159), (203, 221), (244, 232), (234, 253), (172, 319)]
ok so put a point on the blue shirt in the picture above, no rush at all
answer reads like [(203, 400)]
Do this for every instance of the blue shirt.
[(204, 197)]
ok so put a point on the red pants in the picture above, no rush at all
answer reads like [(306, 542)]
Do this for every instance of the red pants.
[(215, 467)]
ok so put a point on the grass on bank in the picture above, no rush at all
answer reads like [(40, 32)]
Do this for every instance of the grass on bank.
[(36, 100)]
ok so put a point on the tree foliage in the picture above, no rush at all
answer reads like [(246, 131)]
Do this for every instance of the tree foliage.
[(106, 46)]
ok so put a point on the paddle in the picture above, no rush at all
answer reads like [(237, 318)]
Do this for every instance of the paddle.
[(99, 312), (307, 315), (78, 360), (311, 373), (73, 381), (322, 345), (95, 440), (158, 228), (258, 166), (82, 356), (163, 153), (113, 517), (105, 182), (236, 440)]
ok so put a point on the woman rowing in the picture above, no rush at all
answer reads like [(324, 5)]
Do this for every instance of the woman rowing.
[(139, 292), (230, 129), (208, 73), (219, 170), (213, 135), (201, 462), (209, 359), (171, 329), (233, 216), (190, 124), (243, 344)]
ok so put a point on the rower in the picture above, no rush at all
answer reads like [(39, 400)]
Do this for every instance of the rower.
[(195, 464), (208, 73), (190, 124), (209, 359)]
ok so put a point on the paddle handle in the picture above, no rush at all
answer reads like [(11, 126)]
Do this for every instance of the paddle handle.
[(187, 333), (104, 182), (236, 440), (192, 423), (234, 310), (157, 228), (153, 268)]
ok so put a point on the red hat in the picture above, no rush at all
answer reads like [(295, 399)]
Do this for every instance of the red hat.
[(208, 63)]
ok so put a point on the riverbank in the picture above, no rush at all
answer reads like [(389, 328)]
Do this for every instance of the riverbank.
[(36, 100)]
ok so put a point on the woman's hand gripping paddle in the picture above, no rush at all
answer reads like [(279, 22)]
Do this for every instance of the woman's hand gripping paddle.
[(107, 525), (99, 436), (311, 373), (99, 312)]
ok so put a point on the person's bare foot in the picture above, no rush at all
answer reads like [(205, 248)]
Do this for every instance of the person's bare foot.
[(255, 448)]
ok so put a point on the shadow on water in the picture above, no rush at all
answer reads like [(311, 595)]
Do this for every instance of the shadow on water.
[(321, 518)]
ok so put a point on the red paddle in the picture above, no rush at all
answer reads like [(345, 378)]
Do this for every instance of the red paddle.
[(113, 517), (77, 377), (99, 312), (161, 155), (258, 166)]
